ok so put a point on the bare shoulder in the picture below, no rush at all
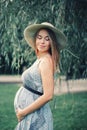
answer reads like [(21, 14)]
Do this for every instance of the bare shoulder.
[(46, 63)]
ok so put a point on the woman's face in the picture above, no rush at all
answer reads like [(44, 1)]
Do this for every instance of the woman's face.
[(43, 41)]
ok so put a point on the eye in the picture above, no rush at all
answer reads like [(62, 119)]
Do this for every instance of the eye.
[(38, 37), (47, 38)]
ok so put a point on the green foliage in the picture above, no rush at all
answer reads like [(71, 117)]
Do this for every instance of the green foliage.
[(69, 16), (74, 64), (15, 54)]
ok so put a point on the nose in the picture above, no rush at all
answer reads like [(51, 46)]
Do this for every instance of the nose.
[(43, 41)]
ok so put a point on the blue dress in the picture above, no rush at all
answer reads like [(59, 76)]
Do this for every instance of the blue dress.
[(40, 119)]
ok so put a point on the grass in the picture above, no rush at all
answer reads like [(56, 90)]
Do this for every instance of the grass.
[(69, 110), (7, 116)]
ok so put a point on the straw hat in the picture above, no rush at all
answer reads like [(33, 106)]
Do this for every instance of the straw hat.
[(32, 29)]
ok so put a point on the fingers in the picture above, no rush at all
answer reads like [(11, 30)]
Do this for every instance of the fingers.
[(18, 110), (19, 115), (20, 119)]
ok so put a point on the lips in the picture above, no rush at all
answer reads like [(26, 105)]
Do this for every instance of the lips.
[(42, 46)]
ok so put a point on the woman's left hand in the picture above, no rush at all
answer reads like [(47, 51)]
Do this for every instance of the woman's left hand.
[(19, 114)]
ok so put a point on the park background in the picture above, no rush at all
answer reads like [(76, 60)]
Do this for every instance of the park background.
[(15, 56)]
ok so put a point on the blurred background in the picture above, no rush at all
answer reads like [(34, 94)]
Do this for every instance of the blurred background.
[(69, 106), (68, 15)]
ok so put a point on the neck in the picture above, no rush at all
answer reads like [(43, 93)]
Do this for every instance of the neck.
[(40, 55)]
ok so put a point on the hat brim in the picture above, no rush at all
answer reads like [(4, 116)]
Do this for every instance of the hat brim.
[(32, 29)]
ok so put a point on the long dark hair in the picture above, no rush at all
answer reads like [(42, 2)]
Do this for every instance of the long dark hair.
[(54, 50)]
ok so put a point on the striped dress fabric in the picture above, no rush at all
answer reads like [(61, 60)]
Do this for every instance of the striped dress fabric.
[(40, 119)]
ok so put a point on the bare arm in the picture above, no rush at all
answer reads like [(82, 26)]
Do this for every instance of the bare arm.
[(46, 70)]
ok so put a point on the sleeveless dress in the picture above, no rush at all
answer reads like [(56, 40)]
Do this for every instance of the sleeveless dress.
[(40, 119)]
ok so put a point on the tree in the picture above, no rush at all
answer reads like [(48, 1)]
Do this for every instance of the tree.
[(69, 16)]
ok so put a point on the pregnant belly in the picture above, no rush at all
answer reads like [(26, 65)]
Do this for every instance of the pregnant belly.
[(23, 98)]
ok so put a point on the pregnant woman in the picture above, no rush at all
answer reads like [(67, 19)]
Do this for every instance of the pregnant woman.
[(32, 99)]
